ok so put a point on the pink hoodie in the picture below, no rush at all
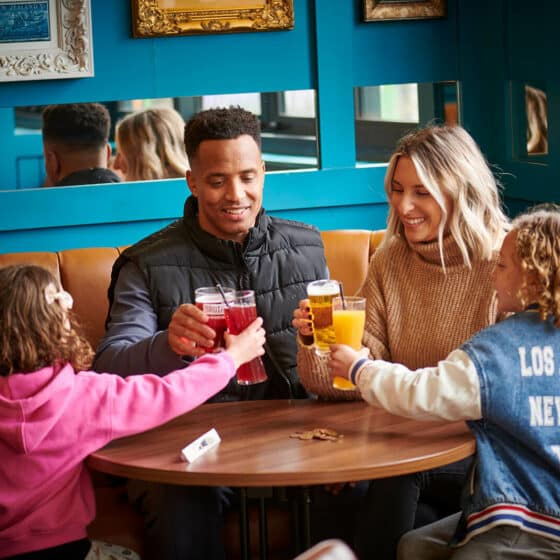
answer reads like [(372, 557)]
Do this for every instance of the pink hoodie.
[(51, 420)]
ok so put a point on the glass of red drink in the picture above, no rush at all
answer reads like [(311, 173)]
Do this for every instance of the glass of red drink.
[(211, 301), (240, 313)]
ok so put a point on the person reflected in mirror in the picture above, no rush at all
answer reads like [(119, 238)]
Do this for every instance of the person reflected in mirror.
[(150, 146), (224, 237), (54, 412), (504, 383), (76, 145), (428, 289), (537, 120)]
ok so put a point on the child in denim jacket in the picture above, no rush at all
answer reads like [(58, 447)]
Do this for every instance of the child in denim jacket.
[(505, 383)]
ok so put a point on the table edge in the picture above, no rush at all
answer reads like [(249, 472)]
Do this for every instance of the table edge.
[(177, 477)]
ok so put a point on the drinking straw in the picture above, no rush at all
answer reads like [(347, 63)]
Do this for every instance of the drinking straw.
[(342, 295), (221, 290)]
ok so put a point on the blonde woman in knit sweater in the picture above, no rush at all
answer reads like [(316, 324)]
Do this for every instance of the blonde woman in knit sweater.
[(428, 289)]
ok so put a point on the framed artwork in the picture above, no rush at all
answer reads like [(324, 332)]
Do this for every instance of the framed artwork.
[(45, 39), (377, 10), (162, 18)]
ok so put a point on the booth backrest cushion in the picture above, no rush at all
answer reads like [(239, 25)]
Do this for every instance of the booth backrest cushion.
[(45, 259), (85, 273), (348, 252)]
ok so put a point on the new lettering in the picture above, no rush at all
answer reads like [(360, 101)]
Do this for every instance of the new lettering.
[(545, 410)]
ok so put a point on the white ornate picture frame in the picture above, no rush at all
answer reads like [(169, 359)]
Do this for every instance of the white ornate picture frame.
[(45, 39)]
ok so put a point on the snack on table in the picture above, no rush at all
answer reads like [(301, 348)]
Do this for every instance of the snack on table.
[(318, 433)]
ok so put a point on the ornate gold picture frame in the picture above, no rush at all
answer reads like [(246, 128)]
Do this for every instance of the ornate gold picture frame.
[(163, 18), (377, 10)]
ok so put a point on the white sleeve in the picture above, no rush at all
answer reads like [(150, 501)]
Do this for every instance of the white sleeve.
[(448, 391)]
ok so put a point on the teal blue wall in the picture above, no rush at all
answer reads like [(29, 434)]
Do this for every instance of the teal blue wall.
[(330, 50), (532, 44), (514, 42)]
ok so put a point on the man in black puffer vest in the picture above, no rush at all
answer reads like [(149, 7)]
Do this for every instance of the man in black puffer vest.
[(225, 237)]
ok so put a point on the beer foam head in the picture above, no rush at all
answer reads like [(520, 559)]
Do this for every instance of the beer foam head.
[(323, 288)]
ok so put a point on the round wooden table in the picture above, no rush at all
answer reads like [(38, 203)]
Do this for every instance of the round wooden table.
[(257, 450)]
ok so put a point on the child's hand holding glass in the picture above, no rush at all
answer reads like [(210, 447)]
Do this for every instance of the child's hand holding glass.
[(341, 358), (248, 344)]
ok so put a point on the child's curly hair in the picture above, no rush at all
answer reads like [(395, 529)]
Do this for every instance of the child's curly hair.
[(33, 332), (538, 248)]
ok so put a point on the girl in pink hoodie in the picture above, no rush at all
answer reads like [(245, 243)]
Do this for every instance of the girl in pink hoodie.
[(54, 413)]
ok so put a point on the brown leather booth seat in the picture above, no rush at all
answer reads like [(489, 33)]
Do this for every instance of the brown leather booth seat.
[(348, 252), (85, 273)]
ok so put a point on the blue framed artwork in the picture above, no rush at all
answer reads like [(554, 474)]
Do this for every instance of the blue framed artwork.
[(24, 22), (45, 39)]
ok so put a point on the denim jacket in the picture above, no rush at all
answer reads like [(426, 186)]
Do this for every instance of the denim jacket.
[(517, 477)]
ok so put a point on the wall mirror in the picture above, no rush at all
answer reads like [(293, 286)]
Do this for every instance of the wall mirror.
[(288, 121), (384, 113)]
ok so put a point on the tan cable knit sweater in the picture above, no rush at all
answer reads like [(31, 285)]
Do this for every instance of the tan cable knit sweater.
[(416, 314)]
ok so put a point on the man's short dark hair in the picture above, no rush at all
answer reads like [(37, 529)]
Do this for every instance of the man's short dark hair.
[(77, 124), (220, 124)]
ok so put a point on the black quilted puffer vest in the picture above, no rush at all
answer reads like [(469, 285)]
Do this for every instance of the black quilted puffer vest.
[(279, 258)]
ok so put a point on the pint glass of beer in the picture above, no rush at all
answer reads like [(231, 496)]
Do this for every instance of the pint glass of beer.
[(349, 319), (321, 294)]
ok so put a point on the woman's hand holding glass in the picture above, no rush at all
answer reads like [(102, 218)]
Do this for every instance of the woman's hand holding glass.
[(302, 320)]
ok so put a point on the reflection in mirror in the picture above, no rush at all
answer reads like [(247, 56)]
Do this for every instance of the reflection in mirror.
[(288, 118), (537, 121), (383, 114), (149, 145)]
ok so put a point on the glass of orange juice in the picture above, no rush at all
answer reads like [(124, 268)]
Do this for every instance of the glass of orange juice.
[(349, 319)]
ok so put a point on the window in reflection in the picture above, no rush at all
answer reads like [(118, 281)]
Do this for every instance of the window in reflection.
[(385, 113), (537, 121), (397, 103), (300, 103), (288, 119), (122, 108), (249, 101)]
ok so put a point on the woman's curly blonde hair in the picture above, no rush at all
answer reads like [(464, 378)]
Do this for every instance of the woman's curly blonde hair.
[(33, 332), (538, 248)]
